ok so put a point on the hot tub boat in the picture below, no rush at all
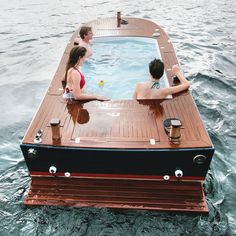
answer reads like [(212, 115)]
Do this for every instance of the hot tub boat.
[(118, 153)]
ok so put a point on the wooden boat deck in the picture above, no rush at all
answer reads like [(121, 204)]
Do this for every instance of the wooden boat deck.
[(123, 124)]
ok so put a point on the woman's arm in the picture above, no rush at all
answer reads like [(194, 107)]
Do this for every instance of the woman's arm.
[(77, 92), (179, 88), (87, 97)]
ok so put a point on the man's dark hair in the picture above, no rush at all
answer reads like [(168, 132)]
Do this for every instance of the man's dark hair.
[(156, 68), (84, 31)]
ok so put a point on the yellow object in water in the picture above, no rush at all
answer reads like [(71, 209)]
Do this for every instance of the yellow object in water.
[(101, 83)]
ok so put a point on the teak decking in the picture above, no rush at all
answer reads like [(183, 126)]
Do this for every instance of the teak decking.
[(123, 124), (138, 121)]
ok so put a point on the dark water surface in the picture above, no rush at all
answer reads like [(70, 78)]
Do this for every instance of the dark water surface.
[(33, 36)]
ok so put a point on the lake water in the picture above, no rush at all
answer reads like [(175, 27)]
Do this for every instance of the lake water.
[(33, 36)]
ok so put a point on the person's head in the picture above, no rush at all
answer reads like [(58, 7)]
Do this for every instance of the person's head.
[(156, 68), (86, 32), (76, 57)]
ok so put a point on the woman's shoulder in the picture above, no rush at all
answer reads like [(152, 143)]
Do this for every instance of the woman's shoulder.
[(74, 72)]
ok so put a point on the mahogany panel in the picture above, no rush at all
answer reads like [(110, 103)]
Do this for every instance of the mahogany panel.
[(129, 194)]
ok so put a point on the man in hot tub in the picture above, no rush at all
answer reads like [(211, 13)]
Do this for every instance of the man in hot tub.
[(84, 40)]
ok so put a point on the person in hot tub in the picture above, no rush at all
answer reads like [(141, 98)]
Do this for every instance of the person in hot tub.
[(74, 79), (151, 89), (86, 35)]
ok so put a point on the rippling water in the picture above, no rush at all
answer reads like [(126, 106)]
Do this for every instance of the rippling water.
[(33, 37)]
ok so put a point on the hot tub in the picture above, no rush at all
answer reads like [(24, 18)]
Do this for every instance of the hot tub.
[(118, 64)]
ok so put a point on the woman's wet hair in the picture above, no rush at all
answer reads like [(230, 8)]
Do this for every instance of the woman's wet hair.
[(156, 68), (75, 54)]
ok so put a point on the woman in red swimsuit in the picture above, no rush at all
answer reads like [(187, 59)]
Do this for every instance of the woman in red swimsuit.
[(74, 79)]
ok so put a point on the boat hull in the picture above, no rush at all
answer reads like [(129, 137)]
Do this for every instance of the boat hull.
[(118, 153), (117, 163), (175, 196)]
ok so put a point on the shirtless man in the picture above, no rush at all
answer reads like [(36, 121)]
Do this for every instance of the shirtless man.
[(152, 90), (86, 36)]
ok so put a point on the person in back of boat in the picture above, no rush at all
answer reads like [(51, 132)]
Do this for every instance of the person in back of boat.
[(74, 78), (84, 40), (151, 89)]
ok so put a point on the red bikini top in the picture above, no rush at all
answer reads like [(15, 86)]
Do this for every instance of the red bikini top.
[(82, 80)]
